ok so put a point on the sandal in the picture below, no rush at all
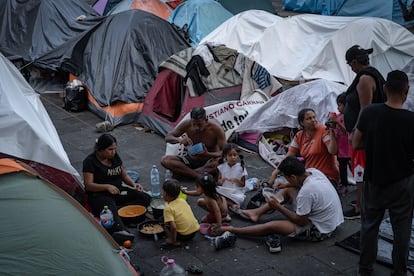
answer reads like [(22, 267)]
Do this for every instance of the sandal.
[(194, 269), (169, 246), (239, 212)]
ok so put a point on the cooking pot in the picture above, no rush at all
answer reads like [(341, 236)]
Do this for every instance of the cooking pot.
[(151, 229), (132, 213), (158, 205)]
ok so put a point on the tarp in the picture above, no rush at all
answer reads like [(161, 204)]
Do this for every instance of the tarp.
[(201, 17), (121, 58), (31, 29), (26, 131), (48, 232), (244, 5), (380, 8), (282, 110), (313, 46), (152, 6)]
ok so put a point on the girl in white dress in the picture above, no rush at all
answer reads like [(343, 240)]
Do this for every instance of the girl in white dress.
[(232, 176)]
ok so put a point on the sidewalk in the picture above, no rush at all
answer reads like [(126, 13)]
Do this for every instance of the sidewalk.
[(250, 256)]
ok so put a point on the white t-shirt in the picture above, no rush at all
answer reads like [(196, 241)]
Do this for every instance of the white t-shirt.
[(230, 189), (318, 199)]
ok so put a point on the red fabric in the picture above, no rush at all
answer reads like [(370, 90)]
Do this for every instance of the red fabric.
[(167, 101)]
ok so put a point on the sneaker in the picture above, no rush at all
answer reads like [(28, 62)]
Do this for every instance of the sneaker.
[(226, 240), (273, 241), (352, 214)]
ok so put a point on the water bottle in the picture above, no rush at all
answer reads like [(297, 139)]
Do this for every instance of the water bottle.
[(171, 268), (106, 217), (168, 174), (155, 182)]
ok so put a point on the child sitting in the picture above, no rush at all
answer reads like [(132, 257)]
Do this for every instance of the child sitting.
[(179, 221), (232, 176), (212, 202)]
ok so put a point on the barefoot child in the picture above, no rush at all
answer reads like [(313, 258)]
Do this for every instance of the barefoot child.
[(232, 176), (179, 221), (212, 202)]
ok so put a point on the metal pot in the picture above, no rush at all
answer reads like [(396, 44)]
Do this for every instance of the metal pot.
[(158, 206), (154, 234), (132, 214)]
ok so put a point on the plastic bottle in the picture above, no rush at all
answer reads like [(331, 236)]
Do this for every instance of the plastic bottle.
[(155, 182), (106, 217), (171, 268)]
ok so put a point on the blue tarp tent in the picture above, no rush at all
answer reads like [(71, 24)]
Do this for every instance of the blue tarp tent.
[(201, 16), (380, 8)]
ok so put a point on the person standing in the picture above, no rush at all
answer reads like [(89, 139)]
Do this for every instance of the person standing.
[(386, 132), (365, 89)]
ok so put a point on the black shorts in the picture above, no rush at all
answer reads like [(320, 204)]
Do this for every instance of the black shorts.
[(189, 162)]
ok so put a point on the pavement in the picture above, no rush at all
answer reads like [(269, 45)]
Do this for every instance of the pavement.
[(250, 256)]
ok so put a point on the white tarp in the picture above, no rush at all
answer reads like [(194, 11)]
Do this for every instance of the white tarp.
[(282, 110), (313, 46), (26, 130)]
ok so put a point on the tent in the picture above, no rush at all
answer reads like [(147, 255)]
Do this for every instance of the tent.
[(201, 17), (156, 7), (311, 46), (121, 59), (197, 77), (381, 8), (32, 30), (48, 232), (27, 133), (244, 5)]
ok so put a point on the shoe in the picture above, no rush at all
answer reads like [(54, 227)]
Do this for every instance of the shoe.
[(352, 214), (169, 246), (226, 240), (273, 241), (353, 203), (121, 236), (104, 126)]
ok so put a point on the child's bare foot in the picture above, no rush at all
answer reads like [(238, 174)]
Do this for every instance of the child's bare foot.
[(227, 218)]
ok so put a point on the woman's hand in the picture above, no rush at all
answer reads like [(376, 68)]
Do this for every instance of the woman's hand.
[(112, 189), (138, 187)]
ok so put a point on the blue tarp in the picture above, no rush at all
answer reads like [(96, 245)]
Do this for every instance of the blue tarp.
[(201, 16), (380, 8)]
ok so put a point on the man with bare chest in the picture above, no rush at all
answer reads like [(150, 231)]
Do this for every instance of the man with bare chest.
[(191, 132)]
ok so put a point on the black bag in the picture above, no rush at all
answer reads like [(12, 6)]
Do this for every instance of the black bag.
[(254, 199), (75, 99)]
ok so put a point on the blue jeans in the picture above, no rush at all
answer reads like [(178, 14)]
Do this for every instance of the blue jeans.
[(398, 199)]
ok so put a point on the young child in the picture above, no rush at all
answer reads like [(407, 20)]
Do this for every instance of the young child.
[(344, 152), (180, 223), (232, 176), (212, 202)]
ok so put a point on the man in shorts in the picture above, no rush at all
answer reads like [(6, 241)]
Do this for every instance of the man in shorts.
[(318, 208), (198, 129)]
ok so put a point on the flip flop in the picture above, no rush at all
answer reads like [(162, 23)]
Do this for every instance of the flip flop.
[(239, 212), (169, 246)]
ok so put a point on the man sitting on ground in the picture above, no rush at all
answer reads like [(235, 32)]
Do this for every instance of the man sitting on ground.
[(196, 130), (318, 211)]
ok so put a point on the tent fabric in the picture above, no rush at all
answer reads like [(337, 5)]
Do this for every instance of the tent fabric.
[(125, 45), (313, 46), (155, 7), (238, 6), (27, 133), (282, 110), (381, 8), (48, 232), (31, 29), (201, 17)]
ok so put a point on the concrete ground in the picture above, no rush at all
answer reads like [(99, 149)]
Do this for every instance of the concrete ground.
[(250, 256)]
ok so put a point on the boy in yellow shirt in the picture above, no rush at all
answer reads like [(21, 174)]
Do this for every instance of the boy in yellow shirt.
[(180, 223)]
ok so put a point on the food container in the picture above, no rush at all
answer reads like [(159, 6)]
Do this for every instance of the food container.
[(272, 193), (158, 205), (151, 229), (132, 213)]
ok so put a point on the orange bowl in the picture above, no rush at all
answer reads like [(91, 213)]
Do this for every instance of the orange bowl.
[(132, 213)]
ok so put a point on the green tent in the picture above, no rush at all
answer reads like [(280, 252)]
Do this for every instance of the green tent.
[(44, 231), (243, 5)]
